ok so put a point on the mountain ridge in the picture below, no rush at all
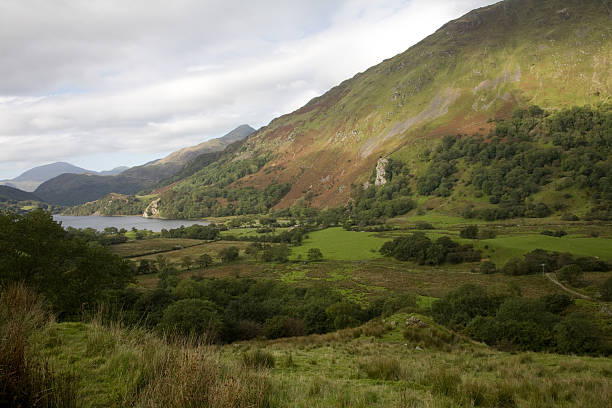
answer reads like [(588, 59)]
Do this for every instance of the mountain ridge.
[(75, 189)]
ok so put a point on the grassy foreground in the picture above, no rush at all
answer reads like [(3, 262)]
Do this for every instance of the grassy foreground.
[(403, 361)]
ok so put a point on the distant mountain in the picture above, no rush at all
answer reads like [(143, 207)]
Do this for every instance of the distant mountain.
[(13, 194), (31, 179), (113, 172), (74, 189)]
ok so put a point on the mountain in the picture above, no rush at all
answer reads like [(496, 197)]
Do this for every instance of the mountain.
[(74, 189), (8, 193), (31, 179), (470, 72)]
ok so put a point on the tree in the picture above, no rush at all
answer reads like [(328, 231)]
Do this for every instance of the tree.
[(470, 232), (606, 290), (570, 274), (315, 254), (186, 262), (192, 317), (578, 333), (229, 254), (69, 272), (204, 261)]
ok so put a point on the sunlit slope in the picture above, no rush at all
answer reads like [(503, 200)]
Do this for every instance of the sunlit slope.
[(552, 53)]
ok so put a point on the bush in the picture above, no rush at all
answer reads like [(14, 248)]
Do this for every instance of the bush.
[(315, 254), (229, 254), (191, 317), (579, 333), (570, 274), (470, 232)]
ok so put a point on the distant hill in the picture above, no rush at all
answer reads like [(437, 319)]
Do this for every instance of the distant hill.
[(74, 189), (8, 193), (31, 179)]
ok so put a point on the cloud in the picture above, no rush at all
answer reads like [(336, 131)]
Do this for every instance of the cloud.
[(89, 79)]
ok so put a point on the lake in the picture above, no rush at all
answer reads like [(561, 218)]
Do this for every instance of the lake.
[(129, 222)]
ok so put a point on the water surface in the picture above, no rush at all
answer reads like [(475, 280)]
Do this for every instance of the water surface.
[(128, 222)]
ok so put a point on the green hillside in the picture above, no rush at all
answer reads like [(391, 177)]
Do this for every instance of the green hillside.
[(464, 79)]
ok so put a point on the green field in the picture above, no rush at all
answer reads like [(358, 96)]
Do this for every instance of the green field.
[(339, 244), (503, 248)]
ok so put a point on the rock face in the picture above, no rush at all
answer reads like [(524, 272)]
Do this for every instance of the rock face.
[(381, 172), (151, 211)]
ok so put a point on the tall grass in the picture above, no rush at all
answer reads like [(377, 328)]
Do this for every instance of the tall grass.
[(26, 381)]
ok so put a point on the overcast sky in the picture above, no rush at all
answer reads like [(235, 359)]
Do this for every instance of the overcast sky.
[(107, 83)]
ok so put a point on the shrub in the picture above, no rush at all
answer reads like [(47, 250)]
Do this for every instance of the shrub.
[(191, 317), (471, 232), (579, 333), (315, 254), (229, 254), (570, 274)]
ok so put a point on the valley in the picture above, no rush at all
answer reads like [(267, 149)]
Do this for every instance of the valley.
[(435, 231)]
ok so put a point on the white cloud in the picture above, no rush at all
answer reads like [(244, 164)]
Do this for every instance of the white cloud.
[(93, 79)]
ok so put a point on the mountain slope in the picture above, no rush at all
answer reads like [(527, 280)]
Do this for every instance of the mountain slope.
[(8, 193), (551, 53), (74, 189)]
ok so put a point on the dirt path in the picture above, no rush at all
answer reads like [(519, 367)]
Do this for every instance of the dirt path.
[(573, 292)]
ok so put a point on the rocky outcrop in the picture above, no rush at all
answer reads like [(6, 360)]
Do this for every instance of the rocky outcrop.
[(152, 211), (381, 171)]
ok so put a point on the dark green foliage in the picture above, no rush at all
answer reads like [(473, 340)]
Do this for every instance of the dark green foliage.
[(112, 204), (488, 267), (314, 254), (276, 253), (570, 274), (191, 317), (69, 273), (208, 232), (580, 333), (516, 323), (109, 236), (229, 254), (372, 204), (283, 326), (204, 194), (558, 233), (606, 290), (557, 303), (418, 248), (460, 306), (539, 261), (470, 232), (514, 163), (204, 261)]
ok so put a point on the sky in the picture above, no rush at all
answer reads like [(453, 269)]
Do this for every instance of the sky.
[(105, 83)]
